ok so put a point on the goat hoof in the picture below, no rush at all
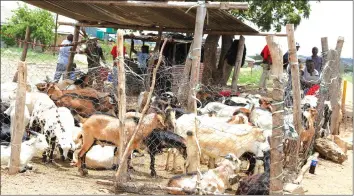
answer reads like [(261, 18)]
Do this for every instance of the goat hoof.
[(153, 174), (83, 172), (62, 158), (29, 167), (22, 170), (114, 167)]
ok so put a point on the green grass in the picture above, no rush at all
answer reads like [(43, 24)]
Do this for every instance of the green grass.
[(32, 55), (348, 77), (247, 76)]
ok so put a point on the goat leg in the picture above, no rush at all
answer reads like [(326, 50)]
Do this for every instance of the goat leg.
[(167, 159), (152, 164), (174, 153), (51, 159), (61, 152)]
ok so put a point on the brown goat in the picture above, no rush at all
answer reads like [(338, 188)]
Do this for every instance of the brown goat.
[(309, 131), (105, 130)]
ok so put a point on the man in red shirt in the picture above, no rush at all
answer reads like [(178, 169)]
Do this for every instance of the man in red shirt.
[(267, 62), (115, 70)]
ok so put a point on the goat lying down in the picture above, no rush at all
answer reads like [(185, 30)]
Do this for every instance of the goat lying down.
[(214, 181), (35, 146)]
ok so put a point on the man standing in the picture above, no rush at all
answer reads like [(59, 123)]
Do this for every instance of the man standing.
[(143, 56), (267, 62), (94, 55), (286, 57), (63, 58), (114, 54), (317, 60)]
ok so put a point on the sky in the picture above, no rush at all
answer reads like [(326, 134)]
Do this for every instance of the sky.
[(327, 19)]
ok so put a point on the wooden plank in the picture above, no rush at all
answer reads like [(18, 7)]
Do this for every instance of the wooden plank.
[(24, 52), (121, 104), (183, 90), (237, 66), (335, 90), (276, 140), (69, 66), (295, 79), (18, 126), (171, 4)]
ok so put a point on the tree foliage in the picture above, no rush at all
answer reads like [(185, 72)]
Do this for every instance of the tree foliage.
[(41, 23), (273, 14)]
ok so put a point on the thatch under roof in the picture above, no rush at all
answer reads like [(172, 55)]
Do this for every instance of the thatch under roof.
[(145, 18)]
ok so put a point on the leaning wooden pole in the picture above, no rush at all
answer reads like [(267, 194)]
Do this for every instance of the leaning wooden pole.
[(17, 126), (335, 90), (237, 66), (276, 140), (295, 80), (121, 103), (69, 66), (323, 92), (56, 33)]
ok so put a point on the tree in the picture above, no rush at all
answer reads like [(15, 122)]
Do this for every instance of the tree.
[(267, 15), (41, 24)]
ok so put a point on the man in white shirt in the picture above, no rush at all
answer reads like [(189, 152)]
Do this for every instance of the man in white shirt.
[(310, 75), (143, 56), (63, 58)]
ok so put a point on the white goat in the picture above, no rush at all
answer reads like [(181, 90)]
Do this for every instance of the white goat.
[(11, 112), (98, 157), (36, 145)]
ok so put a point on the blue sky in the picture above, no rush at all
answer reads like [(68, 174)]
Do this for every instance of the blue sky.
[(327, 19)]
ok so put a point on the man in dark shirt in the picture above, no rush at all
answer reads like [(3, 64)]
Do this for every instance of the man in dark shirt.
[(286, 57), (316, 59)]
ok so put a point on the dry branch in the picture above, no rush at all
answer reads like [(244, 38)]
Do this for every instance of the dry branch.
[(237, 66), (125, 155)]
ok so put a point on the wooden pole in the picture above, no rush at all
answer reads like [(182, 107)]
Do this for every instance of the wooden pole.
[(237, 66), (24, 51), (295, 79), (121, 103), (276, 140), (196, 53), (56, 34), (334, 90), (151, 61), (17, 126), (69, 66), (120, 171), (171, 4), (344, 94), (184, 88), (323, 92)]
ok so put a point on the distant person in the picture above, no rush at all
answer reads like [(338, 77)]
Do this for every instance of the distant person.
[(286, 57), (267, 62), (63, 58), (316, 59), (115, 69), (94, 54), (143, 57)]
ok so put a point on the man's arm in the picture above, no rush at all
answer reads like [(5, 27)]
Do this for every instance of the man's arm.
[(132, 48)]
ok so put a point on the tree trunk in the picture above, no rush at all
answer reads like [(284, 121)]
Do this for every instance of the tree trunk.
[(210, 50), (223, 71)]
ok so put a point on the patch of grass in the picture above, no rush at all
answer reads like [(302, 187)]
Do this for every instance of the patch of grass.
[(15, 53), (348, 77), (247, 76)]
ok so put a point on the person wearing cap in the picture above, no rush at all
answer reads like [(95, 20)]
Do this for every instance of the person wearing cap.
[(94, 54), (286, 57), (316, 59), (267, 62)]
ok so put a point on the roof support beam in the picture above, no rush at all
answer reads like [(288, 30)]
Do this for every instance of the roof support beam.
[(171, 4), (157, 28)]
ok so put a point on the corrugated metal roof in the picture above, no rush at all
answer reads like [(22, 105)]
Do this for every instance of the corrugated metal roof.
[(149, 18)]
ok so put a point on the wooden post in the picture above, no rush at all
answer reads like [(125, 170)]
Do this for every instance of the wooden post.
[(121, 103), (24, 51), (334, 90), (323, 92), (69, 66), (295, 79), (174, 53), (276, 143), (17, 126), (237, 67), (56, 34), (183, 90), (196, 53), (344, 94), (151, 61)]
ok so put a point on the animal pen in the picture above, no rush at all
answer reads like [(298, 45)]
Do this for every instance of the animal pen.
[(177, 59)]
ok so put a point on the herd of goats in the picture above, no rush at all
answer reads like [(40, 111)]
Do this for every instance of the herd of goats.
[(83, 125)]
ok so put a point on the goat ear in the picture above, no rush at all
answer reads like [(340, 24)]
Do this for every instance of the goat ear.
[(246, 111)]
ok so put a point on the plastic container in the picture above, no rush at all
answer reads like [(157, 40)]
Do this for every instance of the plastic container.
[(313, 166)]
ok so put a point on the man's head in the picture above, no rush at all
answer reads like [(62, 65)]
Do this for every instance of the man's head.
[(310, 66), (145, 49), (297, 46), (70, 37), (314, 51)]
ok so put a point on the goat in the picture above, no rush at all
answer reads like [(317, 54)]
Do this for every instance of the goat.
[(214, 181), (309, 131), (159, 139), (35, 145), (105, 130), (99, 157), (257, 184), (11, 112)]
